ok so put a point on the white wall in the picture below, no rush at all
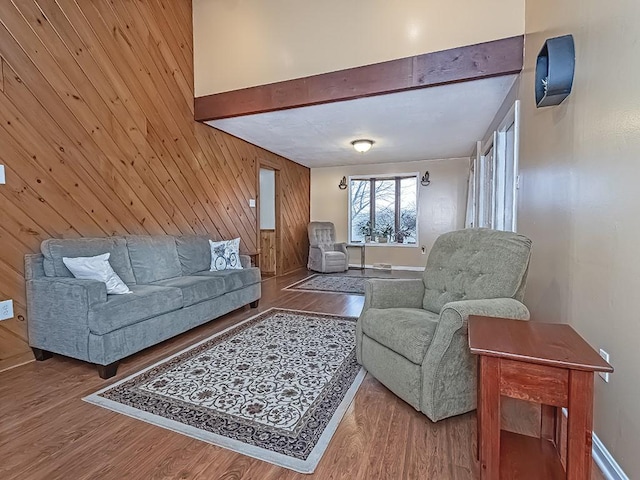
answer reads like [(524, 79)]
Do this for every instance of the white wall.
[(267, 199), (441, 205), (243, 43), (579, 200)]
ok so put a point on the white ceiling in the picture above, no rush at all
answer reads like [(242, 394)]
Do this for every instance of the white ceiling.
[(430, 123)]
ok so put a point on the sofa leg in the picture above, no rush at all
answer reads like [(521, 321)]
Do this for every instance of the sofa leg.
[(254, 304), (41, 355), (108, 371)]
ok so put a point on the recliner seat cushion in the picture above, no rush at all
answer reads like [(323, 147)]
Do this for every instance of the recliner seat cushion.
[(406, 331), (144, 302), (475, 264), (194, 253), (234, 279), (153, 258), (195, 289), (54, 249)]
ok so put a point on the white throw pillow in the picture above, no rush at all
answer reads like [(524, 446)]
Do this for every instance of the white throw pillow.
[(225, 255), (97, 268)]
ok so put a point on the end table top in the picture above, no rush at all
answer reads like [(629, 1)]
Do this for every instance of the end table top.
[(553, 344)]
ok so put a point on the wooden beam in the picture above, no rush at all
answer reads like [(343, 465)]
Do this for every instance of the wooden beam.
[(473, 62)]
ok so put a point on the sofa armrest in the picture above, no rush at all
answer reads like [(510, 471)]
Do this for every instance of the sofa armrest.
[(245, 261), (393, 293), (58, 309)]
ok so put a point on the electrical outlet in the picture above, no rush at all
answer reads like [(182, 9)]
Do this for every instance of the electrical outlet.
[(423, 250), (2, 177), (6, 310), (604, 375), (252, 203)]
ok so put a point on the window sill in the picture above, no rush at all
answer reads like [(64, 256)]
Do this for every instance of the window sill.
[(387, 244)]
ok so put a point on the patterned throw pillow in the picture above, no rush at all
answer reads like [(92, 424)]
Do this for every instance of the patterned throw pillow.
[(225, 255)]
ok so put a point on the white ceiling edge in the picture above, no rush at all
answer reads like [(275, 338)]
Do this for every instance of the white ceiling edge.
[(430, 123), (407, 165)]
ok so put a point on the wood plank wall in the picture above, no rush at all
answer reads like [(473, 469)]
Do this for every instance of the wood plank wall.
[(268, 259), (97, 137)]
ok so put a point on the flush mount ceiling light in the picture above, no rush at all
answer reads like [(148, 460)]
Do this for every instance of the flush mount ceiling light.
[(362, 145)]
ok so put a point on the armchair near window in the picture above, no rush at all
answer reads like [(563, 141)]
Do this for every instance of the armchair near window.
[(412, 334), (325, 255)]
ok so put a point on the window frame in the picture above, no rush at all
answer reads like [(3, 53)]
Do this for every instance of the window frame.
[(387, 176)]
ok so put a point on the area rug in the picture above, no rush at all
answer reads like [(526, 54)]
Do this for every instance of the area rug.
[(330, 284), (274, 387)]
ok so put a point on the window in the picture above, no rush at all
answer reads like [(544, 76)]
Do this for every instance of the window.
[(383, 209), (494, 178)]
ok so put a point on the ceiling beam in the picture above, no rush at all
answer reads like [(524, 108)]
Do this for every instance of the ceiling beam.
[(472, 62)]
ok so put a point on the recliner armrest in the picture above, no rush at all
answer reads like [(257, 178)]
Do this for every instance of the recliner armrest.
[(455, 315), (449, 368), (491, 307), (393, 293), (340, 247)]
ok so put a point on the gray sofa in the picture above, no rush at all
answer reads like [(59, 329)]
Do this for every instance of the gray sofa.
[(173, 291)]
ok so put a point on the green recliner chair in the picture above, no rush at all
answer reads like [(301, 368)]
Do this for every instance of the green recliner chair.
[(412, 334)]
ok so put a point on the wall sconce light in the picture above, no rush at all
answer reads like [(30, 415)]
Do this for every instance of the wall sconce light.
[(424, 181), (343, 183)]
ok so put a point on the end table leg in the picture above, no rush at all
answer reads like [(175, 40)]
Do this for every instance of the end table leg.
[(579, 425), (489, 417), (548, 415)]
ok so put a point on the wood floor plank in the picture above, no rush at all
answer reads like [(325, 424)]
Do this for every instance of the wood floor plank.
[(47, 431)]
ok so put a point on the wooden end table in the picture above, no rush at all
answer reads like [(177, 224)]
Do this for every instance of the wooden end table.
[(547, 363)]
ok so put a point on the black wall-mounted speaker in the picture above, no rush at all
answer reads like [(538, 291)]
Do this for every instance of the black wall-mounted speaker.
[(555, 68)]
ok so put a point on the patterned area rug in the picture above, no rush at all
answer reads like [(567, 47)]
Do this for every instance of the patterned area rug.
[(274, 387), (330, 284)]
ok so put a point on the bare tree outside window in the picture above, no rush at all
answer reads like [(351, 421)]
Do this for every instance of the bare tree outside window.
[(384, 209)]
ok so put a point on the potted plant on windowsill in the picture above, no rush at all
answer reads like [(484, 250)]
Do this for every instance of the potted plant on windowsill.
[(384, 233), (365, 230), (401, 234)]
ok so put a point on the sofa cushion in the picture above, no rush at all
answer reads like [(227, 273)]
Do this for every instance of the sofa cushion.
[(153, 258), (234, 279), (474, 264), (144, 302), (55, 248), (194, 253), (407, 331), (195, 289)]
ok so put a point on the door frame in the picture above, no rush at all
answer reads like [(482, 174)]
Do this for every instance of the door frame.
[(269, 165)]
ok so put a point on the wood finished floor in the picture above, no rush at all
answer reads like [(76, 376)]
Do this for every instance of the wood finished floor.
[(48, 432)]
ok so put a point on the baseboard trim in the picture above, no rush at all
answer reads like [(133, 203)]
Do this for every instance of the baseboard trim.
[(603, 459)]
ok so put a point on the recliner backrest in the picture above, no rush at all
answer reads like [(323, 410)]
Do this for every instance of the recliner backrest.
[(321, 233), (473, 264)]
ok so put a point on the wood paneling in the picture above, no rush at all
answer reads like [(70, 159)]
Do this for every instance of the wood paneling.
[(472, 62), (268, 252), (98, 138)]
